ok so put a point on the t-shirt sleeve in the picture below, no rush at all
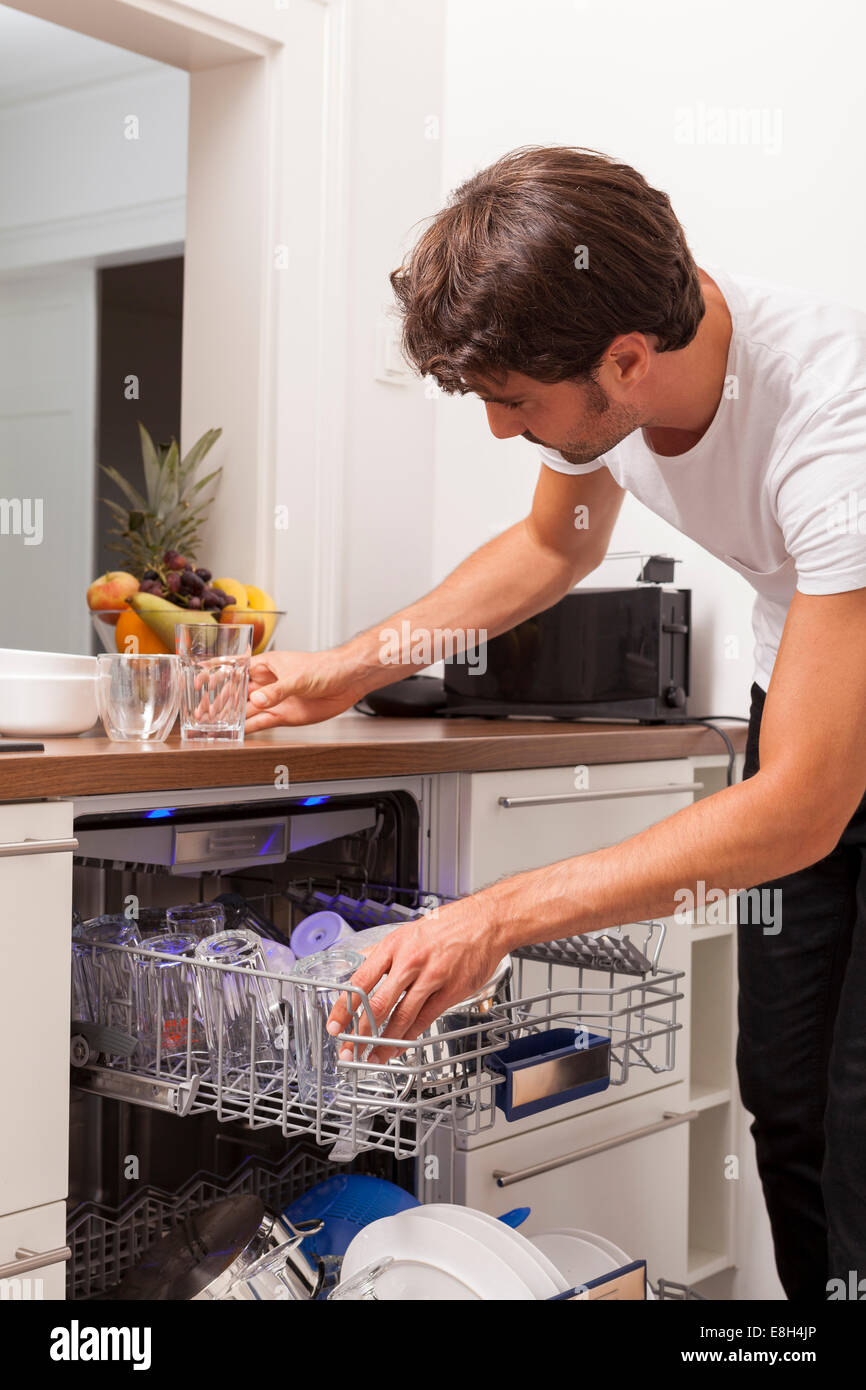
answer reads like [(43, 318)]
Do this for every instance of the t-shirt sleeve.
[(552, 458), (820, 498)]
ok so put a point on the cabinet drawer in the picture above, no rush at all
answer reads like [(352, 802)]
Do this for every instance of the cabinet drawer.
[(35, 929), (589, 809), (41, 1230), (612, 1172)]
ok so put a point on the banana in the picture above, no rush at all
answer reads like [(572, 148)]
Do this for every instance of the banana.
[(161, 616)]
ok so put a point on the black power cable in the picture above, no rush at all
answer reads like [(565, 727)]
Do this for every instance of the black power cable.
[(707, 721)]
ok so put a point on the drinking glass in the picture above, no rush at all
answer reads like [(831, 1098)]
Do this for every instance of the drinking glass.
[(316, 1051), (102, 978), (137, 696), (83, 1007), (165, 1004), (196, 919), (214, 673), (243, 1014)]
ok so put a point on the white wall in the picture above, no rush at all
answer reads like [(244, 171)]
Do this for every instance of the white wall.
[(394, 153), (47, 377), (624, 79), (77, 193), (76, 188)]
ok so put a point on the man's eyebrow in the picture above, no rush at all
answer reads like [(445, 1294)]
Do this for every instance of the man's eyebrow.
[(498, 400)]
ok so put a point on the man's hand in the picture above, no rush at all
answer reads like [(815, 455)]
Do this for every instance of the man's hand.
[(300, 688), (430, 964)]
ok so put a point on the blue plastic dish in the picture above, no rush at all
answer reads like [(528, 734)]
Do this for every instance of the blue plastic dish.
[(346, 1204)]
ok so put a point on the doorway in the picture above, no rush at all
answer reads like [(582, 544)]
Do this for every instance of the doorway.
[(139, 350)]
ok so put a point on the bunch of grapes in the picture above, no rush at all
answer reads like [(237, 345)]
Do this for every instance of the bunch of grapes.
[(180, 583)]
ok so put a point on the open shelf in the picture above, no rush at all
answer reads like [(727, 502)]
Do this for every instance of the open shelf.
[(711, 1015), (711, 933), (710, 1193), (704, 1097), (702, 1264)]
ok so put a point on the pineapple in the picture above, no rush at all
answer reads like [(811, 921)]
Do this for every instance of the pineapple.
[(170, 516)]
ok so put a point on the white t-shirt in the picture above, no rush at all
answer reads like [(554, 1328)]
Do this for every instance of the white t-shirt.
[(776, 487)]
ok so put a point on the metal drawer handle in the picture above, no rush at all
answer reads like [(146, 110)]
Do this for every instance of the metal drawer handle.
[(37, 847), (664, 789), (671, 1118), (27, 1260)]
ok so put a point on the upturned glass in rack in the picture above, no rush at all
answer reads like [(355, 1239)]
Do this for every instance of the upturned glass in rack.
[(245, 1021), (196, 919), (168, 1024), (316, 1051), (101, 978), (214, 674)]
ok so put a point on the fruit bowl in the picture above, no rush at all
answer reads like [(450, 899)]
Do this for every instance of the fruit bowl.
[(105, 622)]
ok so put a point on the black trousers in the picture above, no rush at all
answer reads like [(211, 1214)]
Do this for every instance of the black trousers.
[(801, 1059)]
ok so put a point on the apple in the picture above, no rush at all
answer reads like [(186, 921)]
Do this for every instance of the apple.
[(110, 591)]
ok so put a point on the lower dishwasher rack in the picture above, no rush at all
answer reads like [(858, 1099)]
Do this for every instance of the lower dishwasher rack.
[(446, 1076), (106, 1242)]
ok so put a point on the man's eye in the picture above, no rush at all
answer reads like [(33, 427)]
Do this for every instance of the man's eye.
[(513, 405)]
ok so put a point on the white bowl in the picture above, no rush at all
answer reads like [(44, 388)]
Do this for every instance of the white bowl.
[(50, 705), (15, 662)]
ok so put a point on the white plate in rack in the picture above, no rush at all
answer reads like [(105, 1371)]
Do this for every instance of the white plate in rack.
[(533, 1266), (431, 1261), (563, 1246)]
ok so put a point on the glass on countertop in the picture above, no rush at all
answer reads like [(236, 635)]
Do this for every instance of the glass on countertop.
[(137, 695), (214, 675)]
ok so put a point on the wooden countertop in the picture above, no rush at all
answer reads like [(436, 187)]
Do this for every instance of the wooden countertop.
[(351, 745)]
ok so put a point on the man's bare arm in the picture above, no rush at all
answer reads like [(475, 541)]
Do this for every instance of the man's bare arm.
[(789, 815), (527, 568)]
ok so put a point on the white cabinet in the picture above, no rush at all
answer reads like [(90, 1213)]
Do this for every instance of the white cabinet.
[(657, 1187), (622, 1172), (35, 928), (523, 819), (25, 1238), (510, 821)]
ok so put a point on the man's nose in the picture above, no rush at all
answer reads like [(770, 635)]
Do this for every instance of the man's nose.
[(504, 423)]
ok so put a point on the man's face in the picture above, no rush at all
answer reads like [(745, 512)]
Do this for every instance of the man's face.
[(577, 418)]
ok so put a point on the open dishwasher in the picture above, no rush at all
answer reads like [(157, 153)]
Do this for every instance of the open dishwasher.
[(156, 1138)]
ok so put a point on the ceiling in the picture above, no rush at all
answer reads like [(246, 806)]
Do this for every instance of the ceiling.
[(38, 58)]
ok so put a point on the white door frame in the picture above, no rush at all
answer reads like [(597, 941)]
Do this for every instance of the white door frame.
[(264, 275)]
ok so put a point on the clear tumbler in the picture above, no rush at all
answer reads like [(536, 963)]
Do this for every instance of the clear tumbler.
[(214, 674), (167, 1021), (316, 1051), (137, 696), (243, 1014)]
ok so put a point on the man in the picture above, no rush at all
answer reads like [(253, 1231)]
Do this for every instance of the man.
[(558, 287)]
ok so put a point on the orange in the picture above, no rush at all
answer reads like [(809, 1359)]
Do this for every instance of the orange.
[(133, 635)]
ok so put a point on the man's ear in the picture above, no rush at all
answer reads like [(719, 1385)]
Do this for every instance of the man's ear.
[(628, 359)]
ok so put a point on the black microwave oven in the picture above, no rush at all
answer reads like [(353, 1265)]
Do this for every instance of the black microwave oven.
[(596, 654)]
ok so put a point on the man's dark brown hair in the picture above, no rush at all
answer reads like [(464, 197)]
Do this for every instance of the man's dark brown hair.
[(493, 284)]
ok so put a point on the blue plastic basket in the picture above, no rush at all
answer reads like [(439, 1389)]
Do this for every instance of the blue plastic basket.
[(346, 1204)]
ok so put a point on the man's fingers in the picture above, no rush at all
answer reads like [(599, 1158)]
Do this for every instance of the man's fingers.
[(264, 697), (410, 1028), (263, 720), (365, 977)]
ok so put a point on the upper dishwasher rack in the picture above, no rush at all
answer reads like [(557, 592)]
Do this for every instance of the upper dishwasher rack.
[(445, 1077)]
